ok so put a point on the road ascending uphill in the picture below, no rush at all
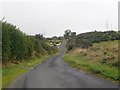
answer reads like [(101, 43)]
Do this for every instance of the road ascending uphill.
[(54, 73)]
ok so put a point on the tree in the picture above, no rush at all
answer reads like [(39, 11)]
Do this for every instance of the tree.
[(67, 34), (39, 36), (17, 46), (73, 34)]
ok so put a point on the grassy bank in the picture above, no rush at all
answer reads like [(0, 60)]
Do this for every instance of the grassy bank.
[(0, 77), (11, 71), (101, 59)]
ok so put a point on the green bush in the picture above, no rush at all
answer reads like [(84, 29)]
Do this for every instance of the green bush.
[(16, 45)]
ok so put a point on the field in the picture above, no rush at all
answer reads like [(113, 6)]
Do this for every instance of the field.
[(100, 59), (11, 71)]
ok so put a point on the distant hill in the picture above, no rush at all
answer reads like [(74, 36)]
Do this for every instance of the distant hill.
[(85, 40)]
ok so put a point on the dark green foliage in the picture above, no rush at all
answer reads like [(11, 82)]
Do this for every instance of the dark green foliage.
[(67, 34), (17, 46), (0, 42), (96, 37), (6, 41), (86, 40), (70, 47)]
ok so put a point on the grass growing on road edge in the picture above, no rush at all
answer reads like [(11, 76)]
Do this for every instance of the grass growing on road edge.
[(11, 72), (77, 61), (0, 77)]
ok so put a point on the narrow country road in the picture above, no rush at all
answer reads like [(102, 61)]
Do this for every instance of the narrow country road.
[(54, 73)]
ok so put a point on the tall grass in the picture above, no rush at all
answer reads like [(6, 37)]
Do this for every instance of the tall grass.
[(85, 61)]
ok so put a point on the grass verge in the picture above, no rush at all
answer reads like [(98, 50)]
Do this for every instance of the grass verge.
[(11, 72), (77, 61), (0, 78)]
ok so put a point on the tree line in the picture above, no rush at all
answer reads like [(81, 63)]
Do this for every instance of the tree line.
[(85, 40), (17, 46)]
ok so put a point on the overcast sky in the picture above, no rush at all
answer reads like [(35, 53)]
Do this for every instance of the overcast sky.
[(53, 17)]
